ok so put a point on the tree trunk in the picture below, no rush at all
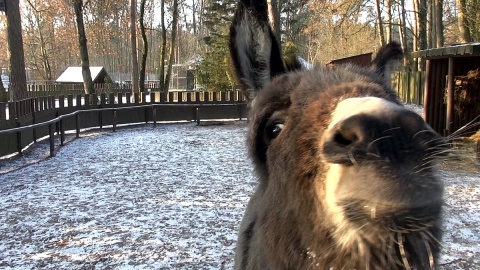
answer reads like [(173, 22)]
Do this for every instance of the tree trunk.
[(430, 25), (133, 41), (389, 21), (422, 31), (438, 20), (194, 18), (145, 46), (163, 50), (463, 22), (82, 45), (172, 45), (18, 78), (403, 33), (415, 32), (380, 22)]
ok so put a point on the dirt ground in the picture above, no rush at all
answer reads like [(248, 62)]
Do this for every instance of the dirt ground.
[(165, 197)]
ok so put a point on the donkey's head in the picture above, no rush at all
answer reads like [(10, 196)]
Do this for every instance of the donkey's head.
[(347, 176)]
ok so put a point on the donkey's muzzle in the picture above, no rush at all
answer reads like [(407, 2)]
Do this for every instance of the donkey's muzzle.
[(395, 136)]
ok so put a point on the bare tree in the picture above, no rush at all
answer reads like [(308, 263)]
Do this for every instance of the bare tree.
[(389, 21), (380, 22), (172, 43), (145, 46), (403, 32), (163, 50), (463, 22), (438, 20), (422, 30), (133, 41), (38, 26), (18, 78), (82, 44), (430, 24)]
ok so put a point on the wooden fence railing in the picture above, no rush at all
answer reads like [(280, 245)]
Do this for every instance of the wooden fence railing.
[(26, 121), (56, 89), (409, 86)]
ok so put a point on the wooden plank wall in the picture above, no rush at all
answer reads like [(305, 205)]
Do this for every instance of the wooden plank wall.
[(410, 86)]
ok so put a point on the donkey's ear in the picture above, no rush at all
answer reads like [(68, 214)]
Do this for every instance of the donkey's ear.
[(387, 54), (254, 50)]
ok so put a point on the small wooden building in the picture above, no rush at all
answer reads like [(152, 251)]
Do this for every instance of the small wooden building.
[(361, 59), (451, 101), (74, 75)]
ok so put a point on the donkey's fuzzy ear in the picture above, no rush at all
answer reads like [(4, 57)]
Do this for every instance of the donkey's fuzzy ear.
[(387, 54), (254, 50)]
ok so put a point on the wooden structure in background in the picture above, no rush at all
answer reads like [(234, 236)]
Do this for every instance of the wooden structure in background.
[(409, 86), (443, 65), (361, 60)]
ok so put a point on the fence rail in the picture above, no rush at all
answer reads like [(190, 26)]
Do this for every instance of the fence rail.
[(23, 122), (51, 88)]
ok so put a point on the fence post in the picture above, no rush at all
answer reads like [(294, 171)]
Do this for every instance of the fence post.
[(62, 132), (114, 120), (33, 105), (100, 120), (77, 124), (19, 139), (154, 115), (57, 125), (145, 114), (51, 139), (197, 115)]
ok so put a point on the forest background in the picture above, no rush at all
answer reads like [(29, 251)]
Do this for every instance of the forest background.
[(142, 40)]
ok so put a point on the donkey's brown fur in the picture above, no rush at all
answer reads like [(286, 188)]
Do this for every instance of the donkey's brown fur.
[(346, 172)]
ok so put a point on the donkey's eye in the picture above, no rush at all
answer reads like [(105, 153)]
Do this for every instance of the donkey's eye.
[(275, 130)]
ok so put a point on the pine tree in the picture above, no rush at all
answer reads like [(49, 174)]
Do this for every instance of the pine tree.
[(214, 72)]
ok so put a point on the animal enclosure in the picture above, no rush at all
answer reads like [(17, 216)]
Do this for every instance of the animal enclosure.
[(27, 116)]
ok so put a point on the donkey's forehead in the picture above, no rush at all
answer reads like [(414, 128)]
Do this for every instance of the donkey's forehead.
[(303, 87), (363, 105)]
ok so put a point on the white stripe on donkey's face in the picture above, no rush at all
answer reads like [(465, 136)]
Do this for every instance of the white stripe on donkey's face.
[(346, 173)]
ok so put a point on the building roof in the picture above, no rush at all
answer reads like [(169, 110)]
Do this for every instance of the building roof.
[(74, 74), (360, 59), (467, 49)]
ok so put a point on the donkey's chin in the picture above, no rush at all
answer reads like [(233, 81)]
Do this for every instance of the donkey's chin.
[(365, 204)]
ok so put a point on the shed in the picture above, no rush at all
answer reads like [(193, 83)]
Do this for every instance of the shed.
[(361, 59), (444, 71), (74, 75)]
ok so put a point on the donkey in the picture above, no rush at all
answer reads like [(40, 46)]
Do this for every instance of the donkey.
[(347, 176)]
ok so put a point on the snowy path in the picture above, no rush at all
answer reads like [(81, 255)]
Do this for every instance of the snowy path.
[(169, 197)]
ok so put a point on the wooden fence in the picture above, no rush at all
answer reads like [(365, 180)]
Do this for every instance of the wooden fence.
[(410, 86), (57, 89), (23, 122)]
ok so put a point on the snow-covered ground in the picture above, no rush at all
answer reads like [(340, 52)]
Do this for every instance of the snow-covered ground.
[(165, 197)]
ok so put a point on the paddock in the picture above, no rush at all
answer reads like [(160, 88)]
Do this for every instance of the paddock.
[(164, 197)]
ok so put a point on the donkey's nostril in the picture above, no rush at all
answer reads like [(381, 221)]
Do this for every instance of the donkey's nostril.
[(345, 138), (349, 139)]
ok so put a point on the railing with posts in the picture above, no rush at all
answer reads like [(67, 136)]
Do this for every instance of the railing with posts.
[(23, 122)]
